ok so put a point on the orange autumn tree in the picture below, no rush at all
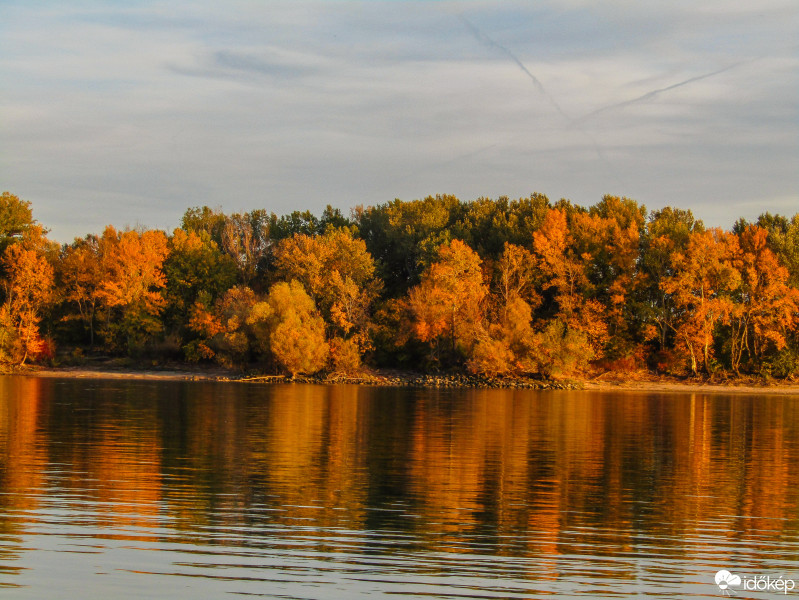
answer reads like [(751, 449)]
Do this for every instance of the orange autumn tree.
[(667, 231), (221, 327), (447, 306), (80, 276), (131, 294), (578, 330), (700, 288), (28, 289), (766, 307), (509, 344), (607, 238)]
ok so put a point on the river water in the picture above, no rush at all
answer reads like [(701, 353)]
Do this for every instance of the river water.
[(137, 489)]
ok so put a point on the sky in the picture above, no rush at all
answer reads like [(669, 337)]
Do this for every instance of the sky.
[(128, 113)]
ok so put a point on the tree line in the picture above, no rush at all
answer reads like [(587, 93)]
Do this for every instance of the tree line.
[(494, 287)]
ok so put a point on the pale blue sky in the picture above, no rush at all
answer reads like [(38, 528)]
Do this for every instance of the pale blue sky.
[(130, 112)]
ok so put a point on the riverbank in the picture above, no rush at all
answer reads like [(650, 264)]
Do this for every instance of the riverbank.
[(385, 378), (631, 382), (774, 388)]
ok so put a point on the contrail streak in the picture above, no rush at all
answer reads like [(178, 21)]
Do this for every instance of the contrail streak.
[(654, 93), (490, 42), (483, 38)]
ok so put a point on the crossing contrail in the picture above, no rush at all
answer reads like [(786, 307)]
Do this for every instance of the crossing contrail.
[(654, 93), (482, 37)]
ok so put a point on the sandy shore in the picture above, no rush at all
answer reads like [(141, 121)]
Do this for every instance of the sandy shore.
[(113, 373), (649, 384), (779, 388)]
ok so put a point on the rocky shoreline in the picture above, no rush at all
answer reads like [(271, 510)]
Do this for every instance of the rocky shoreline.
[(377, 378), (427, 381), (635, 382)]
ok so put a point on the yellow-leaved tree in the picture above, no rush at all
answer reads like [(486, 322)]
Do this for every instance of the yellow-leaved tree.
[(509, 345), (293, 327), (338, 274), (447, 306)]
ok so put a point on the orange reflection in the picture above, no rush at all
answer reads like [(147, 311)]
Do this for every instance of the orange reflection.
[(511, 472), (22, 451)]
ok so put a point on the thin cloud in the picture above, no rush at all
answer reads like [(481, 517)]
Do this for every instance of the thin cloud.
[(229, 64), (251, 63)]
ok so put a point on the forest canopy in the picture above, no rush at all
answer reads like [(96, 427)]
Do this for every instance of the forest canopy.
[(502, 287)]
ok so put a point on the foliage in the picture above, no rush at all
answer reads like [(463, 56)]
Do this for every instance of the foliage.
[(508, 346), (16, 218), (566, 274), (345, 357), (490, 357), (296, 330), (404, 237), (221, 327), (783, 240), (448, 303), (80, 276), (194, 264), (668, 230), (26, 282), (130, 294), (27, 287), (204, 219), (701, 285), (765, 307), (283, 328), (500, 287), (563, 350), (338, 274)]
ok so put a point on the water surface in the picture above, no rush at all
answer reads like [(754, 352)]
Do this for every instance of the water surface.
[(135, 489)]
